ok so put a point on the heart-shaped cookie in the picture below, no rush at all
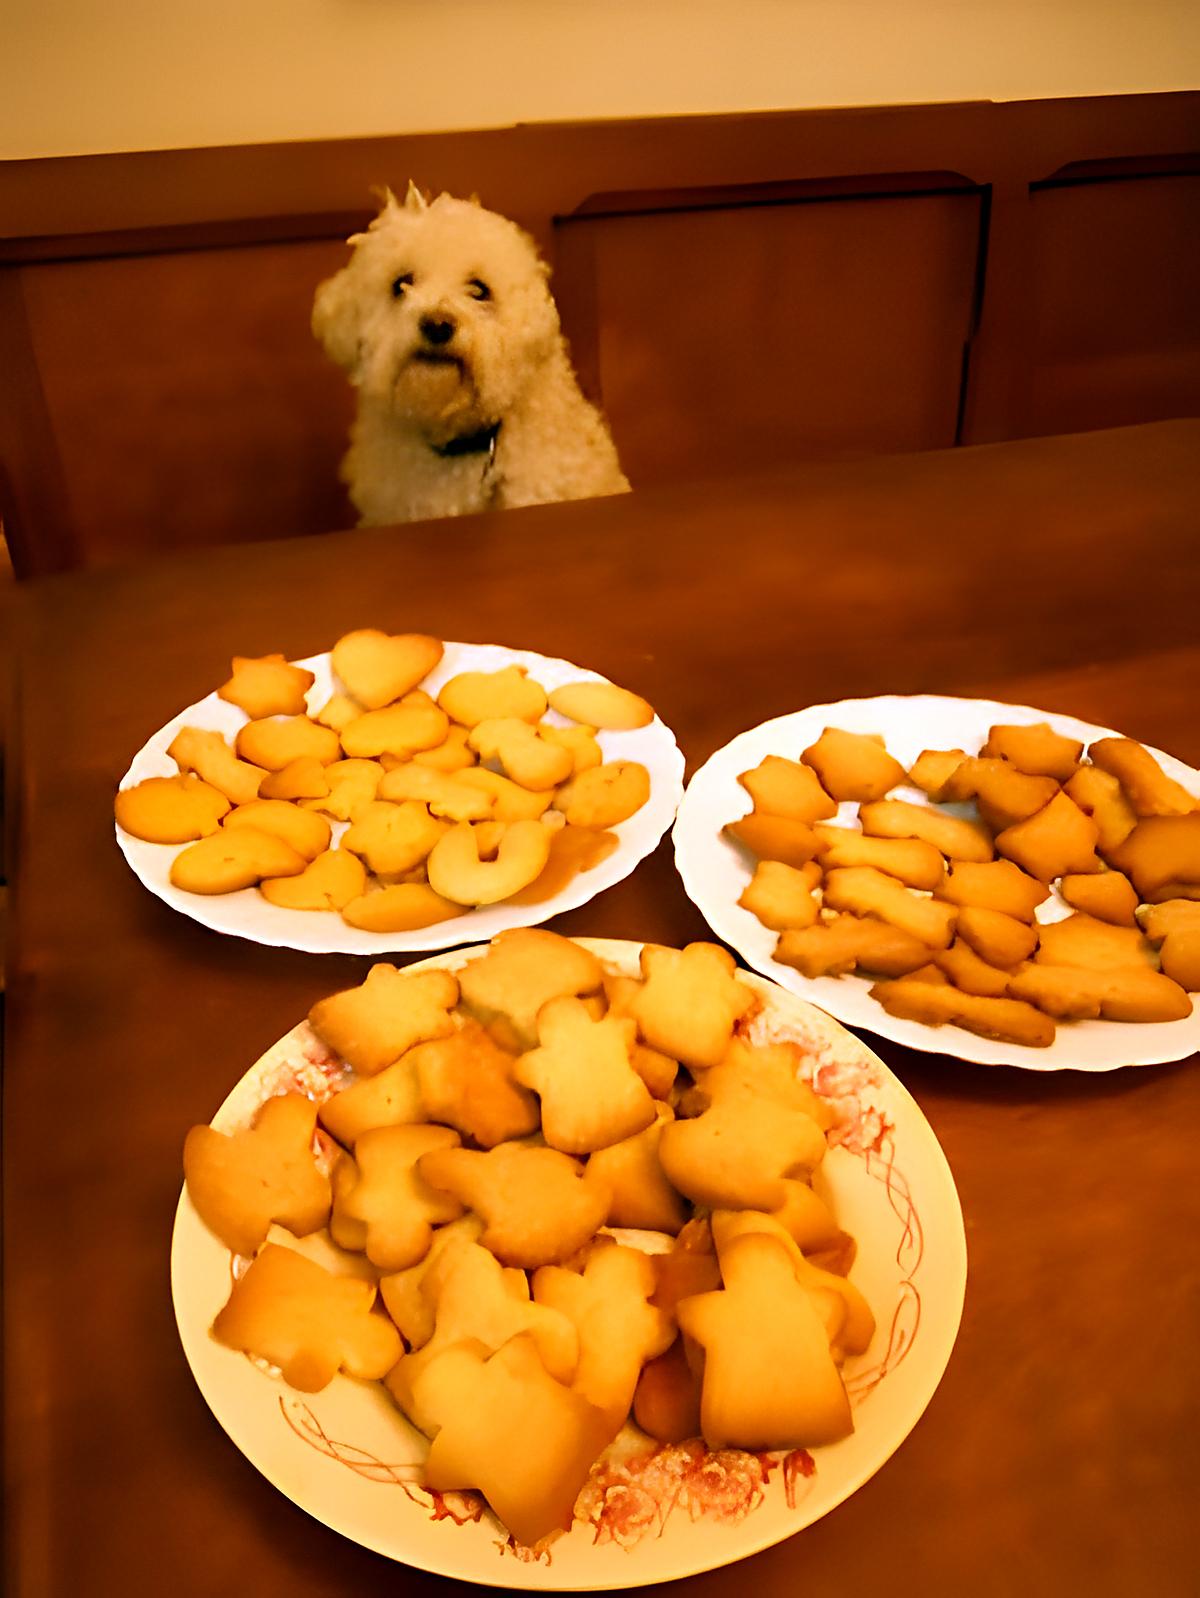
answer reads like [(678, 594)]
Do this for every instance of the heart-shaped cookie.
[(375, 668)]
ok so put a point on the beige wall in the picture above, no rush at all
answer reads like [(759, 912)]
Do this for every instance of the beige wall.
[(93, 75)]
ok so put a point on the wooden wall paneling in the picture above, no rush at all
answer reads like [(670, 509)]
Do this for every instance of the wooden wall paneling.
[(732, 336), (996, 370), (192, 404), (1114, 289), (535, 171), (1089, 315), (185, 213), (34, 505)]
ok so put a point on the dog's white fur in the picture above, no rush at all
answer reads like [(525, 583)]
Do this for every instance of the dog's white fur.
[(495, 355)]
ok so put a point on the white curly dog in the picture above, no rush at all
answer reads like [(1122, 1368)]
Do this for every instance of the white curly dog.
[(466, 396)]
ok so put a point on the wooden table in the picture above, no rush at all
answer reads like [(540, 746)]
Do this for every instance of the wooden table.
[(1060, 1452)]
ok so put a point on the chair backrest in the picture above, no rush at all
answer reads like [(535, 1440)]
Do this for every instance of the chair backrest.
[(738, 291)]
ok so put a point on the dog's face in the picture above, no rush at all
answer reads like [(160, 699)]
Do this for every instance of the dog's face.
[(443, 314)]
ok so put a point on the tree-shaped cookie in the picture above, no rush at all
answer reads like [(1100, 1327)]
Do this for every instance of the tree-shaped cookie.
[(476, 1298), (619, 1330), (756, 1132), (691, 1002), (642, 1197), (523, 969), (536, 1204), (767, 1070), (466, 1080), (241, 1182), (390, 1098), (590, 1094), (858, 1324), (310, 1323), (383, 1206), (770, 1380), (532, 1486), (410, 1295), (373, 1025)]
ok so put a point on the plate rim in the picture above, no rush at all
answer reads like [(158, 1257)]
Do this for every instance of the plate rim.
[(949, 1041), (943, 1335)]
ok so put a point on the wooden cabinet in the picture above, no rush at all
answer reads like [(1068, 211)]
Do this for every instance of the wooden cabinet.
[(1114, 285), (748, 334)]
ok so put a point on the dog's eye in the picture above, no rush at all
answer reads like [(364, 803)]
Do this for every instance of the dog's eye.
[(478, 289), (399, 284)]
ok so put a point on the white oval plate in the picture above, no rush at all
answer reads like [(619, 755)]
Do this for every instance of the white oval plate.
[(348, 1457), (715, 873), (247, 914)]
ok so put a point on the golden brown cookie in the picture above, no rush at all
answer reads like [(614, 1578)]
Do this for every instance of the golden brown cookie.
[(602, 704), (475, 696), (232, 859), (851, 943), (329, 882), (690, 1002), (782, 787), (467, 1081), (241, 1182), (176, 809), (770, 1380), (211, 758), (374, 1024), (299, 1316), (267, 685), (589, 1092), (385, 1202), (521, 971), (276, 742), (533, 1491), (608, 1302), (377, 669), (537, 1207)]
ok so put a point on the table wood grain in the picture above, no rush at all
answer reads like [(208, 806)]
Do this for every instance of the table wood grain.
[(1060, 1451)]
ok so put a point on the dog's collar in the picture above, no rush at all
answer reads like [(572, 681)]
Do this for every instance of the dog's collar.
[(481, 442)]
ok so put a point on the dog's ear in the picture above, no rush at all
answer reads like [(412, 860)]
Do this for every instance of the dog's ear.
[(414, 200), (385, 200), (335, 320)]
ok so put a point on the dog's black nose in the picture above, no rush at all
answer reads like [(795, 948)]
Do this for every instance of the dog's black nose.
[(437, 329)]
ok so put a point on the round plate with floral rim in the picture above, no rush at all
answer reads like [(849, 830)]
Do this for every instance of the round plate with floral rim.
[(649, 1512)]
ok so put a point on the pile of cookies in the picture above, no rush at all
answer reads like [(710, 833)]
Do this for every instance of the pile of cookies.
[(503, 1129), (947, 911), (388, 806)]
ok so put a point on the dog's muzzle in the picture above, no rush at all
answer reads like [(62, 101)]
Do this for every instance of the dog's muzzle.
[(436, 332), (437, 329)]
